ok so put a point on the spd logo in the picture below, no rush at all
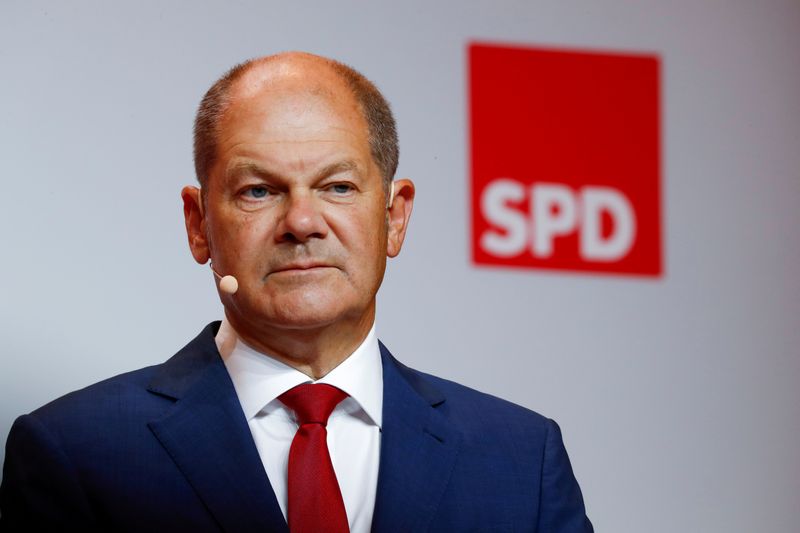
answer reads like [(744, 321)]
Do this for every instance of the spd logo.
[(565, 160)]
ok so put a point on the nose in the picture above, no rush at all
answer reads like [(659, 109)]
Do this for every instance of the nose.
[(302, 219)]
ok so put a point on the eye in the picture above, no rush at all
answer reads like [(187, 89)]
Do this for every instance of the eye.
[(341, 188), (257, 192)]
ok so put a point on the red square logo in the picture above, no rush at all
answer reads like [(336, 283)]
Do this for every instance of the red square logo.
[(565, 160)]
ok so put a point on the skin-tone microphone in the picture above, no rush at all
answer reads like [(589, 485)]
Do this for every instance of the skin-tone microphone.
[(227, 284)]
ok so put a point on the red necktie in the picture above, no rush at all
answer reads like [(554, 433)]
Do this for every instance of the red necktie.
[(315, 500)]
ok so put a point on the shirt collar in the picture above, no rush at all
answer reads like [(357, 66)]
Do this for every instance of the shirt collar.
[(259, 379)]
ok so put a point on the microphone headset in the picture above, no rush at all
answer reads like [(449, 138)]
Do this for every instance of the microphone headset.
[(229, 284)]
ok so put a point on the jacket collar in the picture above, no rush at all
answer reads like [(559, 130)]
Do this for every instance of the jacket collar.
[(208, 438), (419, 447)]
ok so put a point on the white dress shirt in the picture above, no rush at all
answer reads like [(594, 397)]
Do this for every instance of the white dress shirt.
[(353, 427)]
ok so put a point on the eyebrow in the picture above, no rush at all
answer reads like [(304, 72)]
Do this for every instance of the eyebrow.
[(249, 167), (348, 165)]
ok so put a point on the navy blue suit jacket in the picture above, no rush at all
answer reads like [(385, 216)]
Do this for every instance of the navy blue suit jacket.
[(167, 448)]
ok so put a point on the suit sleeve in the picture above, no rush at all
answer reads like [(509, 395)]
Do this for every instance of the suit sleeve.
[(40, 490), (561, 507)]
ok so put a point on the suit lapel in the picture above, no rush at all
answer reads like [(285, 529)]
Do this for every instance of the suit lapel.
[(206, 434), (418, 451)]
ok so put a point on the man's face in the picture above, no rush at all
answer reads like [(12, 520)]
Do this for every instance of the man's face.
[(295, 206)]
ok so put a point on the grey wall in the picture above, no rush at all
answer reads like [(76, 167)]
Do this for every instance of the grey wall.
[(677, 397)]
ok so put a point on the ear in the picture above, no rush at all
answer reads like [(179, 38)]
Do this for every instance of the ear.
[(195, 223), (399, 214)]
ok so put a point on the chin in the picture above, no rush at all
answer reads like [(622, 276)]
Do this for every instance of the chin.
[(305, 320), (305, 313)]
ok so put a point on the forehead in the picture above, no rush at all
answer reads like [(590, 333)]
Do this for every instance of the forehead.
[(301, 94), (289, 112)]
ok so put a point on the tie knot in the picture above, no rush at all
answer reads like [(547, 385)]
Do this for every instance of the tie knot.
[(312, 403)]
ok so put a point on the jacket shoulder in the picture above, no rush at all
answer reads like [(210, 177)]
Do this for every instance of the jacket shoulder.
[(135, 392), (477, 412), (106, 404), (97, 395), (525, 447)]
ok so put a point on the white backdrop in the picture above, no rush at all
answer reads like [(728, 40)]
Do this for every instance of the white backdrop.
[(678, 397)]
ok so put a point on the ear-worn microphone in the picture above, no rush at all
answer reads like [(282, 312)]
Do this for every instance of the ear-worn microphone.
[(227, 284), (391, 196)]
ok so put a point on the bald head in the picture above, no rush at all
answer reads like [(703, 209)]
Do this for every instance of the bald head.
[(295, 71)]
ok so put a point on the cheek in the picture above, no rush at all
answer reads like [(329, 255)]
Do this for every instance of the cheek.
[(370, 255), (241, 236), (361, 234)]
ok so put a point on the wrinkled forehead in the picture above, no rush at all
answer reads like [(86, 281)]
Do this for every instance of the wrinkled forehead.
[(292, 106), (305, 94), (283, 78), (301, 110)]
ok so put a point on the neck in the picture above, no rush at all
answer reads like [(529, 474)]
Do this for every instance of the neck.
[(312, 351)]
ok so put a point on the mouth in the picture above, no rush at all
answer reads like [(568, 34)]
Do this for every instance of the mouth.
[(302, 267)]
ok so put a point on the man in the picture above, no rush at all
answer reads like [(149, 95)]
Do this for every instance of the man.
[(297, 212)]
